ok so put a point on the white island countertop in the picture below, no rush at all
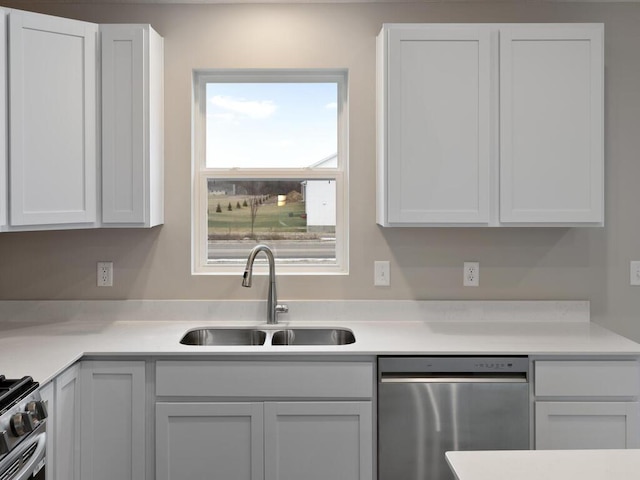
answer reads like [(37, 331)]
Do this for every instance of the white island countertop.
[(41, 339), (545, 464)]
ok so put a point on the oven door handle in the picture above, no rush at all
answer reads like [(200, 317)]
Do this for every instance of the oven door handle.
[(38, 455)]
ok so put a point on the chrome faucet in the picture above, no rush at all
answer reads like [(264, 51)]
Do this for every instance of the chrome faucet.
[(273, 308)]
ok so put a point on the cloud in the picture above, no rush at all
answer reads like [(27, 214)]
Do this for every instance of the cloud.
[(256, 109), (284, 144), (227, 117), (331, 106)]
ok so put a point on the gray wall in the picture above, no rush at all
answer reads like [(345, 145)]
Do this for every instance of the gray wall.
[(527, 263)]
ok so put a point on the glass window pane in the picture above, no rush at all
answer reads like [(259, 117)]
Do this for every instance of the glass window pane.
[(296, 217), (271, 125)]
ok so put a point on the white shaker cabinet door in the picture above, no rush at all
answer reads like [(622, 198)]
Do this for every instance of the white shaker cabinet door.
[(113, 411), (551, 124), (436, 124), (587, 425), (318, 441), (66, 430), (209, 441), (52, 122), (47, 392), (3, 120), (132, 126)]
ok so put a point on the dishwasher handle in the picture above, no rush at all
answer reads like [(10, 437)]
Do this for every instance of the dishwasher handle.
[(517, 377)]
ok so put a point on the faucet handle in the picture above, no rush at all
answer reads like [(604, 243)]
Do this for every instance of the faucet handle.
[(282, 308)]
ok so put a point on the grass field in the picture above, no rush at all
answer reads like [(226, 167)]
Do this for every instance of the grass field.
[(270, 220)]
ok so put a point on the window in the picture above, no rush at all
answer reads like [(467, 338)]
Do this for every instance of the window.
[(270, 166)]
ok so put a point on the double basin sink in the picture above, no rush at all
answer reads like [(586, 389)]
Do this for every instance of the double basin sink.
[(253, 336)]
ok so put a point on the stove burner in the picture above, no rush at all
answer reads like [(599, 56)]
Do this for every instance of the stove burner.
[(11, 391)]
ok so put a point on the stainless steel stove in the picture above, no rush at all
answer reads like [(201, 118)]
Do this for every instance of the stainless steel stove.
[(22, 430)]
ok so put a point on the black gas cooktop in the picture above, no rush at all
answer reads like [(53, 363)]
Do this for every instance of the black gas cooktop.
[(13, 390)]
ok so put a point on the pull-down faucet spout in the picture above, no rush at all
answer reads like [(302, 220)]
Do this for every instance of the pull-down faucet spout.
[(273, 308)]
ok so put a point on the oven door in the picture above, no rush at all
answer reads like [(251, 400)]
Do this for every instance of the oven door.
[(27, 460)]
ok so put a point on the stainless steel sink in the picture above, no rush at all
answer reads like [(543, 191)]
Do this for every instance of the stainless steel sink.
[(224, 336), (313, 336)]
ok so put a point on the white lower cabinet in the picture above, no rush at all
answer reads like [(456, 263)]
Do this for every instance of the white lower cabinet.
[(47, 392), (264, 441), (584, 425), (112, 419), (62, 396), (209, 440), (318, 440), (587, 404), (264, 420)]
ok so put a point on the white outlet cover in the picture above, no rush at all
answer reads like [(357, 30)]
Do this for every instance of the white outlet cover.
[(471, 274), (381, 273), (105, 274), (634, 273)]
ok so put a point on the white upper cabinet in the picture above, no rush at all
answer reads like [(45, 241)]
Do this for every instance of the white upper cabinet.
[(4, 200), (490, 125), (75, 119), (52, 120), (551, 124), (435, 118), (132, 126)]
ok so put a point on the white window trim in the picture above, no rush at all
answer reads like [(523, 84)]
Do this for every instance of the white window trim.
[(199, 172)]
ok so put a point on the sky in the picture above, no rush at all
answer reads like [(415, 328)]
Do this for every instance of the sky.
[(270, 125)]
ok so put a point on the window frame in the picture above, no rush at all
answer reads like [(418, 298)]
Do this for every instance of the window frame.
[(200, 173)]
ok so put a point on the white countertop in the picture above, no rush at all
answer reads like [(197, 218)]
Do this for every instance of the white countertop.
[(42, 338), (545, 464)]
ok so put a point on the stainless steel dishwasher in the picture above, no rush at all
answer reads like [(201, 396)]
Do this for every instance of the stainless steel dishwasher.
[(430, 405)]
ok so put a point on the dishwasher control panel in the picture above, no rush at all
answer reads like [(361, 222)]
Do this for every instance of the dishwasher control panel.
[(494, 366), (443, 364)]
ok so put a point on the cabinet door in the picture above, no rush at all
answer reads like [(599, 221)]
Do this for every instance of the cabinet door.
[(47, 392), (3, 119), (66, 429), (219, 441), (438, 124), (52, 123), (318, 441), (132, 125), (551, 124), (123, 123), (113, 420), (585, 425)]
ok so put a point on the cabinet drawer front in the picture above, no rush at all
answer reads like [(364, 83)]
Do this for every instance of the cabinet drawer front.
[(264, 379), (587, 378)]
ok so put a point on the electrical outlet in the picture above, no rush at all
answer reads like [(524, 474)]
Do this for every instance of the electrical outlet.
[(105, 274), (634, 272), (471, 274), (381, 274)]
